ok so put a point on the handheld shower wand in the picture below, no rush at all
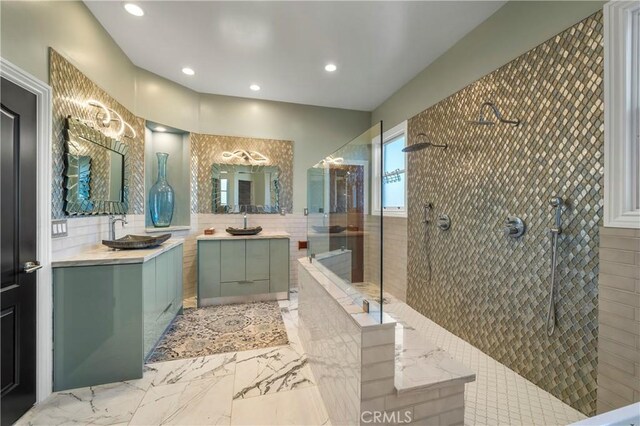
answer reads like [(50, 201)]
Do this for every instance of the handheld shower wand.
[(426, 220), (556, 230)]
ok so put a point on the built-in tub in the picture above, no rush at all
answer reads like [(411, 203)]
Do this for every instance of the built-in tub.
[(625, 416)]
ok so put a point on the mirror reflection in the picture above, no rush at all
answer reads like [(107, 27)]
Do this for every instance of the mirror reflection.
[(95, 171), (245, 188)]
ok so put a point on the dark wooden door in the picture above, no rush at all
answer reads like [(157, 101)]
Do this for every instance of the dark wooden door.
[(244, 193), (18, 165)]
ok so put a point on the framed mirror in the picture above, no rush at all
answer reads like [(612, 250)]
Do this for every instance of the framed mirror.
[(245, 188), (96, 171)]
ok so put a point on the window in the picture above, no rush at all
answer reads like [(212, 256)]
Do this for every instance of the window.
[(394, 177), (622, 114), (394, 173), (224, 191)]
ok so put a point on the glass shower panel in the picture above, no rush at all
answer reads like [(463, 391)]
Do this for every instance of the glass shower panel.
[(344, 223)]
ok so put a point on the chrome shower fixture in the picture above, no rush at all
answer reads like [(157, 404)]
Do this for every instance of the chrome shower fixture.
[(444, 222), (483, 121), (514, 227), (556, 230), (422, 145), (427, 209)]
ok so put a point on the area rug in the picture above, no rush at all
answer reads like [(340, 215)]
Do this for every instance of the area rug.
[(217, 329)]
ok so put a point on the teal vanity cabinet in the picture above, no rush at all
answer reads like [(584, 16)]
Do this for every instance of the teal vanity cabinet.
[(234, 269), (110, 308)]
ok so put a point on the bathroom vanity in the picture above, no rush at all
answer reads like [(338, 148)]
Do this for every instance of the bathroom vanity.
[(110, 308), (235, 269)]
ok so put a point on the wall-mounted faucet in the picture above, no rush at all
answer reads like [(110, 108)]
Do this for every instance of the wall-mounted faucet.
[(112, 225)]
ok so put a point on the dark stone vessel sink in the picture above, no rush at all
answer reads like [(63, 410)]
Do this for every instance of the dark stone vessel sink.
[(333, 229), (132, 242), (244, 231)]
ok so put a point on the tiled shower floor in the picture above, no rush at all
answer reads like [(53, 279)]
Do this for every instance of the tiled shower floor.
[(275, 386), (499, 396)]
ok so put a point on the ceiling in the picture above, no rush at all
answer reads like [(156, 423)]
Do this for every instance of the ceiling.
[(284, 46)]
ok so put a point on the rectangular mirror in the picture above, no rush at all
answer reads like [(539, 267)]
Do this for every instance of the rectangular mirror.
[(95, 171), (240, 188)]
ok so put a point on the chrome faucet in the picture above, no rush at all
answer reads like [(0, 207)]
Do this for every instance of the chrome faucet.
[(112, 225), (244, 218)]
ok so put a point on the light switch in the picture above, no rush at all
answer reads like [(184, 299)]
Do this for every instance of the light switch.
[(59, 228)]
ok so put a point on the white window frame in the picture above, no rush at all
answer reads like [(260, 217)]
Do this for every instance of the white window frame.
[(621, 106), (389, 135)]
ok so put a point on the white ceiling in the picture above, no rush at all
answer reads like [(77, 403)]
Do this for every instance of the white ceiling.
[(284, 46)]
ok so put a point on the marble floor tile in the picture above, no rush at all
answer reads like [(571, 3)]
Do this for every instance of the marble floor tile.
[(199, 402), (295, 407), (99, 405), (171, 372), (267, 371)]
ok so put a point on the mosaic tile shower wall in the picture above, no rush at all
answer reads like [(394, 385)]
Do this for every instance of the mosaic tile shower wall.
[(71, 90), (493, 290), (207, 150)]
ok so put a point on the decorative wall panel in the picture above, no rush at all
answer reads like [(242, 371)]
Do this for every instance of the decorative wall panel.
[(490, 289), (207, 150), (71, 90)]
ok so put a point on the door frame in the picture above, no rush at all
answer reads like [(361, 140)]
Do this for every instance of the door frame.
[(44, 297)]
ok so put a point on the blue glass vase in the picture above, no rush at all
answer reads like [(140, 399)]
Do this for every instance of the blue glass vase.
[(161, 197)]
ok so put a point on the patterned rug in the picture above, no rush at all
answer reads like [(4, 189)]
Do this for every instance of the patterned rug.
[(218, 329)]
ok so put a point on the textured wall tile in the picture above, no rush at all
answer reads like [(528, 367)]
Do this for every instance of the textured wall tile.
[(71, 90), (207, 150), (492, 290)]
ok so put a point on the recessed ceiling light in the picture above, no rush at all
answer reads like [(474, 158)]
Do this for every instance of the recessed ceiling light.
[(134, 9), (160, 129), (254, 87), (330, 67), (188, 71)]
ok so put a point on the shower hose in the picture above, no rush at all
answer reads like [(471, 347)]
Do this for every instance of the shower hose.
[(551, 316)]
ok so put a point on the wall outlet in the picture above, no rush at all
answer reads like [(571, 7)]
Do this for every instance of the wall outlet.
[(59, 228)]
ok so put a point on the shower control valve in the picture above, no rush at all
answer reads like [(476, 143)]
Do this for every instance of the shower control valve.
[(514, 227), (444, 222)]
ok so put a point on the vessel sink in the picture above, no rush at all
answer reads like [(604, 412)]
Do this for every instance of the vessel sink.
[(333, 229), (132, 242), (245, 231)]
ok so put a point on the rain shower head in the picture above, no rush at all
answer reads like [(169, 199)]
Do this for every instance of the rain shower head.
[(482, 121), (422, 145)]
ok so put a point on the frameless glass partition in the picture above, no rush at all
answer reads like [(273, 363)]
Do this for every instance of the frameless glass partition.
[(344, 222)]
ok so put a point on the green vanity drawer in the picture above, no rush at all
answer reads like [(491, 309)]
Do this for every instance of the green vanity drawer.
[(257, 261), (232, 257), (243, 288), (208, 269), (279, 265)]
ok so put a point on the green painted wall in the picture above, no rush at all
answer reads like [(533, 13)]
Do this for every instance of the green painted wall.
[(514, 29)]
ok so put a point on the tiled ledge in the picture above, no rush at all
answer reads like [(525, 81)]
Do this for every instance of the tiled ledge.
[(421, 365), (397, 369)]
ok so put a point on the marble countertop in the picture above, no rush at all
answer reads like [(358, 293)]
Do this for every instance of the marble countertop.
[(420, 364), (103, 255), (223, 235)]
